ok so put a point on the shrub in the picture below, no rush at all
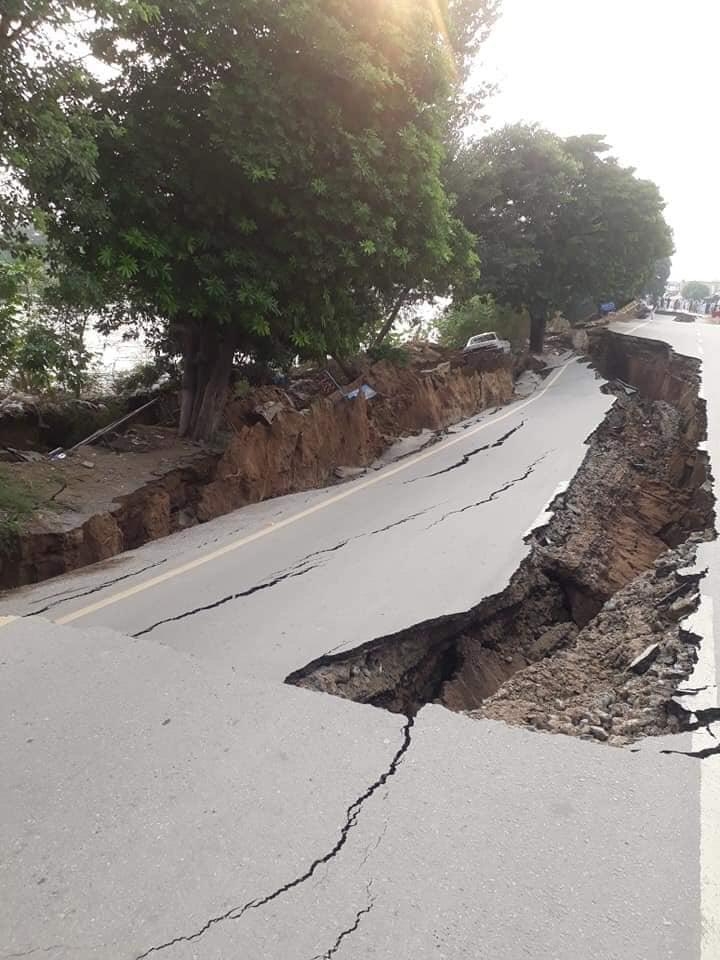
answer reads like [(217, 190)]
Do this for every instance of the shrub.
[(392, 352), (479, 314), (143, 376), (18, 502)]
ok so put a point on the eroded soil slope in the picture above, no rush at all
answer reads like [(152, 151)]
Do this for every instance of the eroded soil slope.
[(295, 443)]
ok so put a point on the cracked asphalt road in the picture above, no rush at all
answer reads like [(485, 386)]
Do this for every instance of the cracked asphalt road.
[(166, 795)]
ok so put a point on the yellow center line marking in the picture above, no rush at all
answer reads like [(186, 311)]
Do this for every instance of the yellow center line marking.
[(294, 518), (633, 329)]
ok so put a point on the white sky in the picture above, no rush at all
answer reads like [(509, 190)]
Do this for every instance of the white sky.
[(646, 74)]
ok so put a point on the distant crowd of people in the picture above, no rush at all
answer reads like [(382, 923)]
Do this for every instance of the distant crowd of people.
[(690, 306)]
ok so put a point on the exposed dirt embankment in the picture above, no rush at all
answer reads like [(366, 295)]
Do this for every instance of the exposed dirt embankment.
[(56, 542), (297, 450), (602, 586), (649, 365), (301, 449)]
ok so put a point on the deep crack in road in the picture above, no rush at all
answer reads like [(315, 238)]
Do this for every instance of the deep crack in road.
[(298, 569), (492, 496), (465, 459)]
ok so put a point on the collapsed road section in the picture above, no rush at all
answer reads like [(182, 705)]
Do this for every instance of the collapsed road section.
[(586, 639)]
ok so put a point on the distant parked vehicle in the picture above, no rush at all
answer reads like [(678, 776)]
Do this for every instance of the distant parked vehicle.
[(643, 311), (487, 341)]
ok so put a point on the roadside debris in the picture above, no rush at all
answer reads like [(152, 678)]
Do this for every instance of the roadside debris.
[(364, 390), (627, 388), (642, 662), (268, 411), (21, 456), (103, 430), (349, 473)]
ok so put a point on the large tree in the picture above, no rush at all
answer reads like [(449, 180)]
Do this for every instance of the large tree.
[(557, 221), (45, 89), (268, 173), (467, 24), (695, 290)]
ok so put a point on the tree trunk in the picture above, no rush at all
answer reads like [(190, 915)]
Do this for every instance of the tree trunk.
[(81, 358), (207, 363), (214, 395), (538, 320), (189, 341), (347, 371), (391, 318)]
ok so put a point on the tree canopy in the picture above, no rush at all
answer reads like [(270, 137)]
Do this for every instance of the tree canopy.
[(45, 88), (43, 322), (557, 221), (267, 174), (276, 180), (695, 290)]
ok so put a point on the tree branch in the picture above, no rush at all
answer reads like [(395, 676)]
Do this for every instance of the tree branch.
[(391, 317)]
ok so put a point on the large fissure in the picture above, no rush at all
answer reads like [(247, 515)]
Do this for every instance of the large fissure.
[(586, 639), (305, 565), (467, 457), (63, 596)]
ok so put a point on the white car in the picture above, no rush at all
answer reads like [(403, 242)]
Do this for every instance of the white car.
[(487, 341)]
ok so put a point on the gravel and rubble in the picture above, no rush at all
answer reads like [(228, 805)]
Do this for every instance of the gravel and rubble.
[(594, 688)]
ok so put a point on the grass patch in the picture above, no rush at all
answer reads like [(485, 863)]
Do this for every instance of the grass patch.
[(18, 502)]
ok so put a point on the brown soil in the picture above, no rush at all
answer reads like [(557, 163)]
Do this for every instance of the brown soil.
[(157, 485), (301, 448), (98, 503), (600, 585), (587, 688)]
